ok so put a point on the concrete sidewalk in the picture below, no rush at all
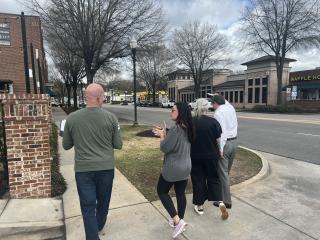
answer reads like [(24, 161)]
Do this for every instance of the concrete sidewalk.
[(283, 205)]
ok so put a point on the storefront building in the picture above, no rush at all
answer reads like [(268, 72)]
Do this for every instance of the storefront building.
[(22, 58), (256, 86), (304, 85)]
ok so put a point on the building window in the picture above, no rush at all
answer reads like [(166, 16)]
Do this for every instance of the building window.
[(5, 34), (264, 94), (257, 95), (236, 98), (250, 95), (172, 94), (257, 81), (209, 89), (227, 96), (203, 92), (241, 96), (231, 97), (265, 81), (250, 82)]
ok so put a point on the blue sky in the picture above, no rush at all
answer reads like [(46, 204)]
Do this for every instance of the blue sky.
[(223, 13)]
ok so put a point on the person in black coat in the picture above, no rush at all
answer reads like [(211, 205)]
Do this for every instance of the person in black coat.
[(204, 157)]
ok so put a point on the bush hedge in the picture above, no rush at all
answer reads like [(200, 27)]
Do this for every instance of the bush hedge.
[(282, 109), (58, 183)]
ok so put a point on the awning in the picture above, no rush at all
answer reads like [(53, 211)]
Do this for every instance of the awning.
[(6, 81), (50, 92), (303, 86)]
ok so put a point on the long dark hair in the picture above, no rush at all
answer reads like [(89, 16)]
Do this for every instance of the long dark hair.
[(184, 119)]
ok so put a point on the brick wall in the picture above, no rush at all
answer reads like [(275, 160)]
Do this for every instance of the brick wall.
[(306, 104), (11, 57), (27, 120)]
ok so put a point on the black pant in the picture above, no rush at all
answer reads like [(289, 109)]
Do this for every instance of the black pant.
[(163, 189), (205, 180)]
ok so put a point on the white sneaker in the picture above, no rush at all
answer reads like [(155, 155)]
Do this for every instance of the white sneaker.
[(198, 210), (179, 228), (171, 224), (224, 212)]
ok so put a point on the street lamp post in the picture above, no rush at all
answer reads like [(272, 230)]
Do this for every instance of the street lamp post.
[(81, 86), (133, 46)]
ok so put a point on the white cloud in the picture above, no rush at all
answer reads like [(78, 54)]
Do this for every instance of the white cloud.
[(219, 12), (306, 59), (223, 13), (12, 6)]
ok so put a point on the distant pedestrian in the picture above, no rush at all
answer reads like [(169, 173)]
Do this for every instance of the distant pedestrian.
[(226, 116), (177, 164), (94, 133), (205, 158)]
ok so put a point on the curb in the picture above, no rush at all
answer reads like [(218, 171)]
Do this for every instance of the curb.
[(264, 171)]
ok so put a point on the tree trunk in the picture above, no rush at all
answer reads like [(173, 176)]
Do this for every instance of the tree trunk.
[(68, 86), (90, 75), (75, 97), (197, 90), (279, 81), (153, 93)]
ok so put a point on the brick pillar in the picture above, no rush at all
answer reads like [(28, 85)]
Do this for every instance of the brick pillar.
[(27, 118)]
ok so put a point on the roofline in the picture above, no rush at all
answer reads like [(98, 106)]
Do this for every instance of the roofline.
[(305, 70), (18, 15), (257, 60)]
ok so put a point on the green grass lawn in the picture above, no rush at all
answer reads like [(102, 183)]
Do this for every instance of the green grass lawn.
[(140, 161)]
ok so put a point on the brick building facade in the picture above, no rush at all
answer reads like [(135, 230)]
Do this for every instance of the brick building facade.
[(12, 65)]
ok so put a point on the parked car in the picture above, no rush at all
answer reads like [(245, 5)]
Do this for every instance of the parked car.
[(192, 104), (54, 102), (124, 102), (167, 104), (82, 104)]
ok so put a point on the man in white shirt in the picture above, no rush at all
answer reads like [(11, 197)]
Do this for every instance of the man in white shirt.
[(225, 114)]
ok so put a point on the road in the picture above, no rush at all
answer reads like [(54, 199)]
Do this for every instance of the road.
[(293, 136)]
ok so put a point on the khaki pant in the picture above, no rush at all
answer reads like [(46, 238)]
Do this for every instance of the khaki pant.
[(224, 168)]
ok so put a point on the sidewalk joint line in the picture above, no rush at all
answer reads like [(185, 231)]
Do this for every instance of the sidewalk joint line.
[(73, 217), (130, 205), (4, 208), (268, 214)]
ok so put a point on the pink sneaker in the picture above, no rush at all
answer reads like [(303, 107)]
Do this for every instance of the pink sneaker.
[(179, 228)]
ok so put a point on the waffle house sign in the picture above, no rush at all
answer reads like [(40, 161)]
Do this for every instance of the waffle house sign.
[(309, 75)]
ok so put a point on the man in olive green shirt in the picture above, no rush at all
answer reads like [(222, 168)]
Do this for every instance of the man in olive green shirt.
[(94, 133)]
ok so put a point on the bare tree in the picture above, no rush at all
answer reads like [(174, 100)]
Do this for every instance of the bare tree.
[(199, 47), (100, 30), (69, 65), (120, 85), (279, 26), (59, 86), (155, 61)]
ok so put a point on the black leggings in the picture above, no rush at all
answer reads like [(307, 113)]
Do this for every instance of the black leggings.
[(163, 189)]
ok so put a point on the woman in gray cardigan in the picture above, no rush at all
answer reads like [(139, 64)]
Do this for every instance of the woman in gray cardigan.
[(177, 164)]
